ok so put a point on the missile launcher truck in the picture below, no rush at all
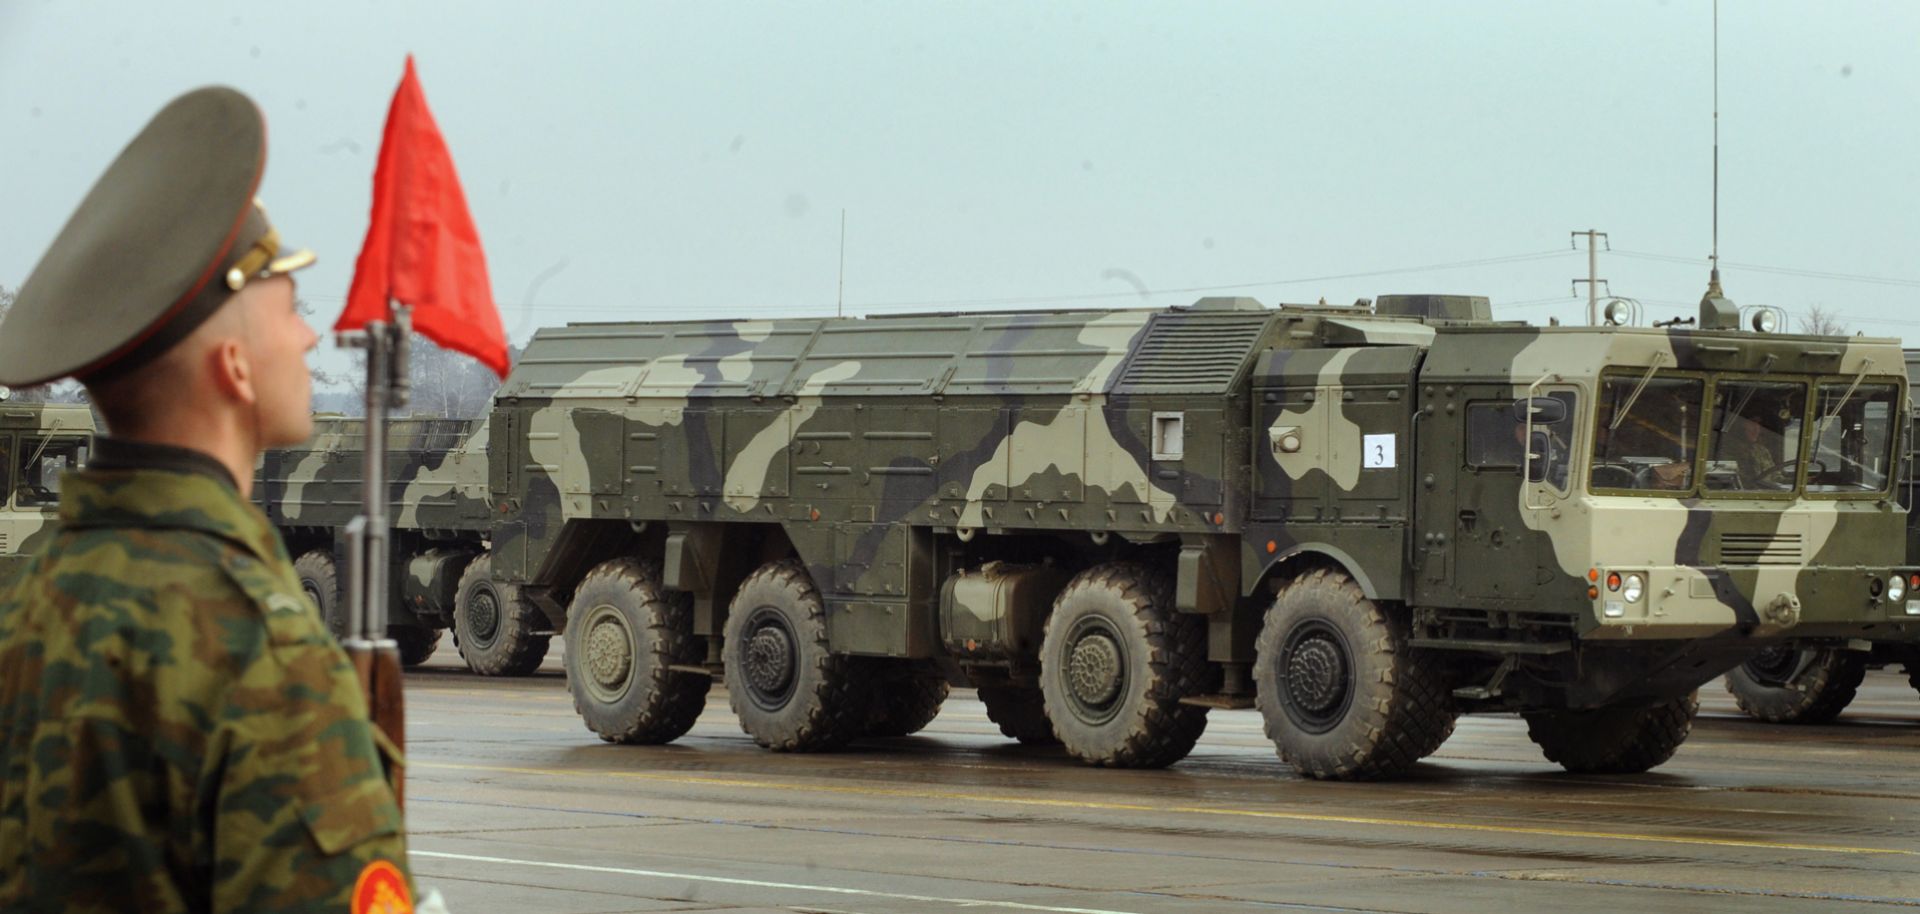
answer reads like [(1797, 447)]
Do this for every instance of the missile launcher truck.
[(1363, 521), (1814, 684), (38, 443), (438, 521)]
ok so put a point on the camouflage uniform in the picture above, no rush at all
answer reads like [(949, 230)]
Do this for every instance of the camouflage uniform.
[(180, 733)]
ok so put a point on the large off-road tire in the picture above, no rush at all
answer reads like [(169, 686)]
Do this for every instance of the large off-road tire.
[(1783, 686), (1342, 695), (1613, 740), (416, 644), (1114, 664), (904, 697), (493, 626), (624, 633), (320, 581), (790, 691), (1021, 712)]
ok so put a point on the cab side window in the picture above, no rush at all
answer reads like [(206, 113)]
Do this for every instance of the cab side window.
[(1497, 437), (41, 468), (6, 468)]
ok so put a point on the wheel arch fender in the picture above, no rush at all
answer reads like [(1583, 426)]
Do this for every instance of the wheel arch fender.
[(1291, 564)]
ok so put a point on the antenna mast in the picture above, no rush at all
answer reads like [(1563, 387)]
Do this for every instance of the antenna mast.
[(1717, 312), (1713, 259)]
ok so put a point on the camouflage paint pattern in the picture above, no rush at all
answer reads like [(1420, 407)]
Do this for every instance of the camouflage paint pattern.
[(180, 732), (855, 436), (437, 474), (438, 505), (27, 520)]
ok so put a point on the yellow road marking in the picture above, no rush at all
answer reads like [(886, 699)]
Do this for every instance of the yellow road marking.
[(1108, 806)]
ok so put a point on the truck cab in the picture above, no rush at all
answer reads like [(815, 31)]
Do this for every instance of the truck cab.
[(39, 443)]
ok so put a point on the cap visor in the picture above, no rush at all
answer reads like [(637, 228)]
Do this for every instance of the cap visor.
[(290, 262)]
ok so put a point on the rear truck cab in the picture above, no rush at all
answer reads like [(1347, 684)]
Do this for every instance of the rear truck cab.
[(39, 442)]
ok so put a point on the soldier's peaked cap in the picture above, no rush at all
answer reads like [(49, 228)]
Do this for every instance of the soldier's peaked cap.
[(163, 239)]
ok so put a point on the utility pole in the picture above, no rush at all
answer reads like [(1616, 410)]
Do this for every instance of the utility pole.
[(840, 297), (1593, 279)]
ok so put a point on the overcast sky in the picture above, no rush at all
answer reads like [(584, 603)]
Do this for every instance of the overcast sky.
[(643, 161)]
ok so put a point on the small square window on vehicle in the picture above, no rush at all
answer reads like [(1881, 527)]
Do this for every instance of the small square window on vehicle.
[(1169, 436), (1492, 439)]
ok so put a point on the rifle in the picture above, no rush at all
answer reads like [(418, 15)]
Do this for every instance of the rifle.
[(375, 656)]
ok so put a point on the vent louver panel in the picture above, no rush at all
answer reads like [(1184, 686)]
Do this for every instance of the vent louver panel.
[(1185, 353), (1761, 549)]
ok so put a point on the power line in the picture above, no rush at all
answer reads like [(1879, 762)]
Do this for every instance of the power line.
[(1041, 299), (1782, 271)]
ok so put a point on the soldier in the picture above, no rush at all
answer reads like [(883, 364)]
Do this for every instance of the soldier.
[(178, 732), (1751, 448)]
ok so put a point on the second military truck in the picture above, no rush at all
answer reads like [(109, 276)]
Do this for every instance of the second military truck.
[(1362, 520)]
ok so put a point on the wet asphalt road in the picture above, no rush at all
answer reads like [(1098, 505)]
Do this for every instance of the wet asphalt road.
[(514, 806)]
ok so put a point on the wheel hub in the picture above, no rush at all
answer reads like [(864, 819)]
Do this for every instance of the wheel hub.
[(1774, 666), (609, 654), (769, 660), (1317, 675), (483, 617), (1093, 669)]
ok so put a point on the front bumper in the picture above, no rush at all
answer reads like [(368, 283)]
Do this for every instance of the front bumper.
[(1678, 601)]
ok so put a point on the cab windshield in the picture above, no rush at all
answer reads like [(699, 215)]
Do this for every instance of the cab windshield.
[(1755, 439), (1647, 427), (1764, 435), (1852, 448)]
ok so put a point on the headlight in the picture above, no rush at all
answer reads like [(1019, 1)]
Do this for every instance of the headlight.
[(1632, 589), (1896, 589)]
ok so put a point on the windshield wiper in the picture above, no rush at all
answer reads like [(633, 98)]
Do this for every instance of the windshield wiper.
[(1865, 366), (1726, 421), (1621, 416)]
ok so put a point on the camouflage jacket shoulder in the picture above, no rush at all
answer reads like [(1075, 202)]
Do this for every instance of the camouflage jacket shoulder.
[(180, 732)]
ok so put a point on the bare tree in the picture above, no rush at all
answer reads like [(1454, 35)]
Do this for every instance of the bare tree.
[(1820, 320), (444, 383), (321, 377), (449, 384)]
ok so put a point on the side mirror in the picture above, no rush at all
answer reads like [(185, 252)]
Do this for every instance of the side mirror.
[(1545, 410), (1539, 456)]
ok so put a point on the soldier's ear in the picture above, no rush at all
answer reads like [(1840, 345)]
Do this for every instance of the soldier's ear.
[(232, 367)]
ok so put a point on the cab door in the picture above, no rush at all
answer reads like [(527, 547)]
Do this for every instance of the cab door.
[(1476, 497)]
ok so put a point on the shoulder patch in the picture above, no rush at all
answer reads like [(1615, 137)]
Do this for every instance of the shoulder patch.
[(381, 890), (285, 603)]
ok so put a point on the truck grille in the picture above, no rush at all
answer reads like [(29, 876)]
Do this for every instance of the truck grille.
[(1760, 549)]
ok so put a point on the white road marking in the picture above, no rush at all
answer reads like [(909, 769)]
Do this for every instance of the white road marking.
[(763, 884)]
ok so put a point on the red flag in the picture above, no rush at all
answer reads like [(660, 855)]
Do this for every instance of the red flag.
[(422, 248)]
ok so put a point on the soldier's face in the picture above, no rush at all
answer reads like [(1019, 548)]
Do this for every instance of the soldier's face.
[(280, 340)]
